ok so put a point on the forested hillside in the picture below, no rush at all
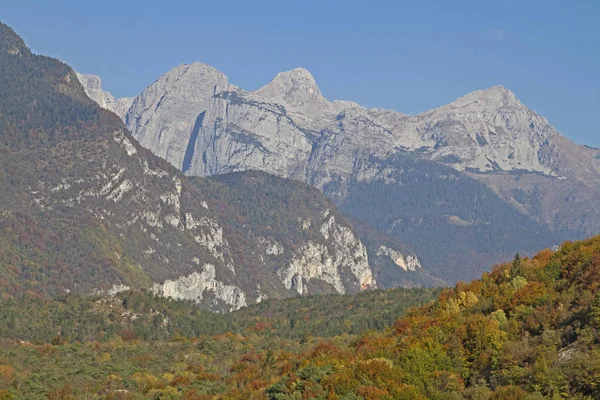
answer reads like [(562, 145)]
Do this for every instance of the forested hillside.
[(144, 316), (85, 209), (261, 204), (527, 330), (444, 215)]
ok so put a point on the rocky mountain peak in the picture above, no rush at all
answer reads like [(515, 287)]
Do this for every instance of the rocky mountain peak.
[(181, 95), (492, 98), (296, 88), (195, 70), (90, 81), (191, 82)]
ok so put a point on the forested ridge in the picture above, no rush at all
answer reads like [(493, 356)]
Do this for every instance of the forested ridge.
[(42, 101), (527, 330)]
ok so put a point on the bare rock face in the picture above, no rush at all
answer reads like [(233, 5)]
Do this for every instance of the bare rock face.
[(344, 265), (92, 85), (202, 125), (296, 90), (183, 93), (486, 130), (407, 262), (195, 286)]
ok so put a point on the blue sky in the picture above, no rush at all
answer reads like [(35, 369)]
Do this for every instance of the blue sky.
[(405, 55)]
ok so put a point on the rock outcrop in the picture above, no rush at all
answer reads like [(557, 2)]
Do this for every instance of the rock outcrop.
[(344, 265), (197, 285), (408, 262), (92, 85)]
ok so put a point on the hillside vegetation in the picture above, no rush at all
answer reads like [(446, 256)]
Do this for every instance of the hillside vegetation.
[(144, 316), (527, 330), (449, 219)]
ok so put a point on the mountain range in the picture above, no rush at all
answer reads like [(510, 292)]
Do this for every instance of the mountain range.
[(466, 185), (85, 209), (198, 190), (126, 223)]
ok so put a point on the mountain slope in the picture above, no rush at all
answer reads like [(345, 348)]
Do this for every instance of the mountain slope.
[(527, 330), (86, 209), (448, 218), (195, 119), (259, 204)]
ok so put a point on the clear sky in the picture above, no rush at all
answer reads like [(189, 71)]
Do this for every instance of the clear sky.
[(405, 55)]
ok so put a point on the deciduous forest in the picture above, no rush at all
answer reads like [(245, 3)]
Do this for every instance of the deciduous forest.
[(527, 330)]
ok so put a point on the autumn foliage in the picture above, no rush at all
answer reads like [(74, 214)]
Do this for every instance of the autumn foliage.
[(529, 329)]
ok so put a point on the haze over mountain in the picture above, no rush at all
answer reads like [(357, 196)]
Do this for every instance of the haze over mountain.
[(468, 183), (85, 209)]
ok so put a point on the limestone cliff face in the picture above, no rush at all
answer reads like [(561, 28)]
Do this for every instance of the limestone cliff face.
[(92, 85), (288, 128), (197, 285), (343, 264), (184, 93), (408, 262), (486, 130)]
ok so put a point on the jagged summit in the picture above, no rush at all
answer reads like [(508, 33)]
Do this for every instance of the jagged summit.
[(182, 94), (186, 109), (296, 88), (195, 67), (294, 79), (92, 85), (183, 112)]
